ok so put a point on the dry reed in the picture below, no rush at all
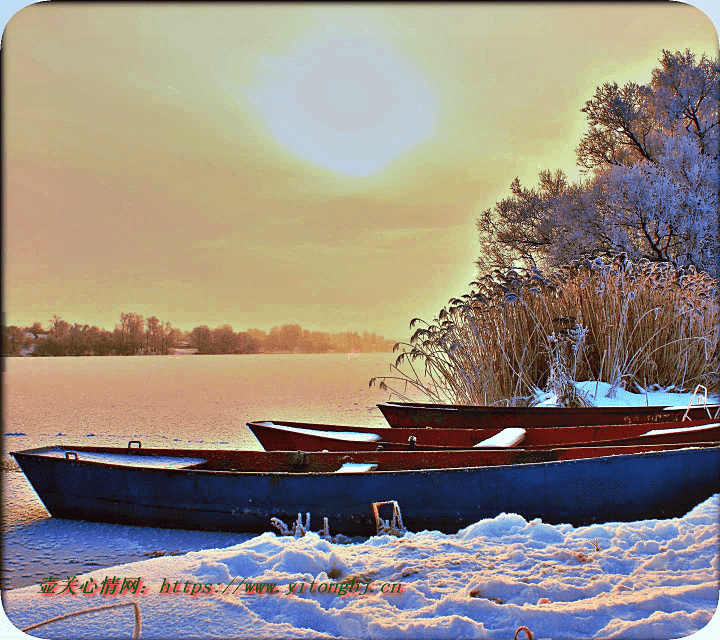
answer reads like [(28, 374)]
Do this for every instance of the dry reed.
[(631, 324)]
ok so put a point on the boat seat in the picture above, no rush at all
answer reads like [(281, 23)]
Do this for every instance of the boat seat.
[(356, 467), (506, 438)]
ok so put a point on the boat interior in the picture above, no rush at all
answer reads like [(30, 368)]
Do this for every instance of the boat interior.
[(399, 438), (355, 462)]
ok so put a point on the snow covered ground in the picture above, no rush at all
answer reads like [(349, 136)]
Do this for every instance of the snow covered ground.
[(649, 580), (601, 394)]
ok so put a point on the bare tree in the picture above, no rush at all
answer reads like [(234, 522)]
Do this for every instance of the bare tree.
[(620, 126), (153, 336), (201, 338), (131, 333), (224, 339)]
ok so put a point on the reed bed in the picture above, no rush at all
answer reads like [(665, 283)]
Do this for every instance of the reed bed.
[(631, 324)]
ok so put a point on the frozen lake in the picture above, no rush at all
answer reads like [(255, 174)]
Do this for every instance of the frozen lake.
[(163, 401)]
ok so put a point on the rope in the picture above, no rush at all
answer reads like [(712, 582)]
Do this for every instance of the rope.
[(136, 630)]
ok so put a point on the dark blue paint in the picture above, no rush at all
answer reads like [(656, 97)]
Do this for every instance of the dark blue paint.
[(615, 488)]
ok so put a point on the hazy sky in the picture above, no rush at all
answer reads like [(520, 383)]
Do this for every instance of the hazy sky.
[(265, 165)]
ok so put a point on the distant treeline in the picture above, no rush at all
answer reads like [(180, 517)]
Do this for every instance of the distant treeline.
[(135, 335)]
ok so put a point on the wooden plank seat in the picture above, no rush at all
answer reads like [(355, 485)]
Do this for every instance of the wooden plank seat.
[(506, 438)]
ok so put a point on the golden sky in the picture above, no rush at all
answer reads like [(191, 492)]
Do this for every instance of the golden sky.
[(263, 165)]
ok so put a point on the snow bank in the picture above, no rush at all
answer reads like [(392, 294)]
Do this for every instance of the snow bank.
[(647, 579), (601, 394)]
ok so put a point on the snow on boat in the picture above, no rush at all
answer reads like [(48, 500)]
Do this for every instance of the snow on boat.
[(457, 416), (291, 436), (444, 490)]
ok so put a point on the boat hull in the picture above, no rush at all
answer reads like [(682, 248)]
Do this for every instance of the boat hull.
[(403, 414), (655, 484), (291, 436)]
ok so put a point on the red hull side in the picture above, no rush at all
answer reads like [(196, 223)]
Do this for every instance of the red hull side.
[(293, 436), (399, 414)]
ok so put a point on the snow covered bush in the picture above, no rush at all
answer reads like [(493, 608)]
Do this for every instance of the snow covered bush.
[(630, 324)]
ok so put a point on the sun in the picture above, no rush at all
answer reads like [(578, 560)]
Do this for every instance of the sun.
[(351, 105)]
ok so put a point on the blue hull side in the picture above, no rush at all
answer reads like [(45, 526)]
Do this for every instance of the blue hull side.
[(615, 488)]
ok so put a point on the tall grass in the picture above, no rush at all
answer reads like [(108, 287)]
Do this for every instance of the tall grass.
[(631, 324)]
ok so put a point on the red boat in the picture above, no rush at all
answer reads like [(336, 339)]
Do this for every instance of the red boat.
[(457, 416), (299, 436)]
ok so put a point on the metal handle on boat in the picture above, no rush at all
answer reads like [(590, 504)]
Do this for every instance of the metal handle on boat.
[(690, 404), (71, 455), (137, 442)]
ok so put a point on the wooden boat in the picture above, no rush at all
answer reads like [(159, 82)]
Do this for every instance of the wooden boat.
[(444, 490), (457, 416), (292, 436)]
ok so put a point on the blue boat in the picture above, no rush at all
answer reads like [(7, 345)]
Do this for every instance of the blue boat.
[(437, 490)]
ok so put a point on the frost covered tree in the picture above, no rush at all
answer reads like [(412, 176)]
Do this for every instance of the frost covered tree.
[(687, 96), (521, 226), (621, 127), (665, 210), (550, 224), (651, 156)]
